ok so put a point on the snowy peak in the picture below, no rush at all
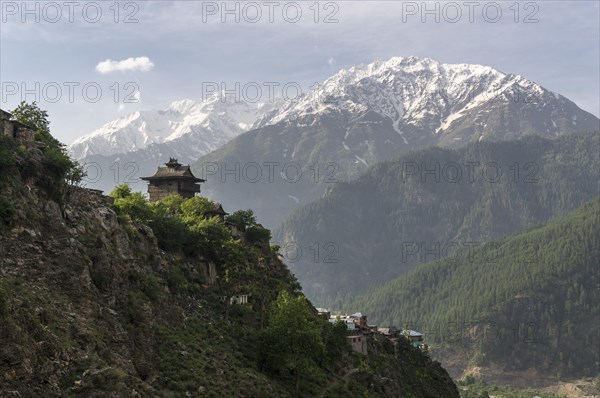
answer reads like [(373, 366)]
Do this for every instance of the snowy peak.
[(208, 124), (417, 95), (182, 106), (424, 101)]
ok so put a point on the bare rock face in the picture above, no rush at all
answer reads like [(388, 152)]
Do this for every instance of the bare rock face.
[(52, 210)]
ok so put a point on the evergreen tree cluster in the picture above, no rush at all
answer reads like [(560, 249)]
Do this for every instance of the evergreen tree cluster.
[(531, 300)]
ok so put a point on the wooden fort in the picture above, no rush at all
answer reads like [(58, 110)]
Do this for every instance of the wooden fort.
[(173, 178)]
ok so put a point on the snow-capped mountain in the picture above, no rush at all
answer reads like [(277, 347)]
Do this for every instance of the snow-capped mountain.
[(132, 146), (358, 117), (204, 126), (424, 99), (375, 112)]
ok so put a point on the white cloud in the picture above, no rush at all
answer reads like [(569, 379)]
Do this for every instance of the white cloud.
[(142, 64)]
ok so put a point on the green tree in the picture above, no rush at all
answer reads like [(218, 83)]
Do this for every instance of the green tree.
[(194, 209), (209, 235), (293, 337), (334, 338), (32, 115), (59, 166), (171, 233), (133, 204), (258, 234), (121, 191), (169, 205), (242, 218)]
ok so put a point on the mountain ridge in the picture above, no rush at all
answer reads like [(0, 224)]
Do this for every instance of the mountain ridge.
[(392, 218), (135, 131), (366, 115)]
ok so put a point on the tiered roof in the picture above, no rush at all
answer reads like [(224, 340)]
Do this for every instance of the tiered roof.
[(174, 170)]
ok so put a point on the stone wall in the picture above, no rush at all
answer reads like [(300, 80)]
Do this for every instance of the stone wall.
[(86, 195)]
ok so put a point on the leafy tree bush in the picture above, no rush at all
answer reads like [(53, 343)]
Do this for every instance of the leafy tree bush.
[(7, 157), (178, 223), (32, 115), (208, 236), (121, 191), (293, 339), (171, 233), (246, 221), (194, 209), (258, 233), (170, 205), (58, 166), (242, 218), (133, 204)]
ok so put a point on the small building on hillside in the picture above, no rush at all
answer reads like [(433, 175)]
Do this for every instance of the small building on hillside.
[(358, 343), (390, 331), (415, 338), (359, 319), (216, 212), (173, 179), (15, 129)]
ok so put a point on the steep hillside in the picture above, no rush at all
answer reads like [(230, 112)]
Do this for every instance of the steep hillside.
[(431, 203), (529, 303), (372, 113), (94, 302)]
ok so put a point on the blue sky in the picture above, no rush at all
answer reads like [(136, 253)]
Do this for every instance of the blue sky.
[(187, 45)]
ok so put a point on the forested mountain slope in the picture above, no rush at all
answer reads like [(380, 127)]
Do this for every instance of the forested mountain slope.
[(431, 203), (529, 302)]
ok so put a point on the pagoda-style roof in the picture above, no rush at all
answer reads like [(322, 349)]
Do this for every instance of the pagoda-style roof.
[(174, 170), (217, 210)]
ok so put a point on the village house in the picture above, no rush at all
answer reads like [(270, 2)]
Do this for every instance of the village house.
[(351, 326), (360, 320), (358, 343), (389, 331), (415, 338), (173, 179), (15, 129), (358, 331)]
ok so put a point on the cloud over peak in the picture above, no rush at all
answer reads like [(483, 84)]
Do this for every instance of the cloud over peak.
[(142, 64)]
